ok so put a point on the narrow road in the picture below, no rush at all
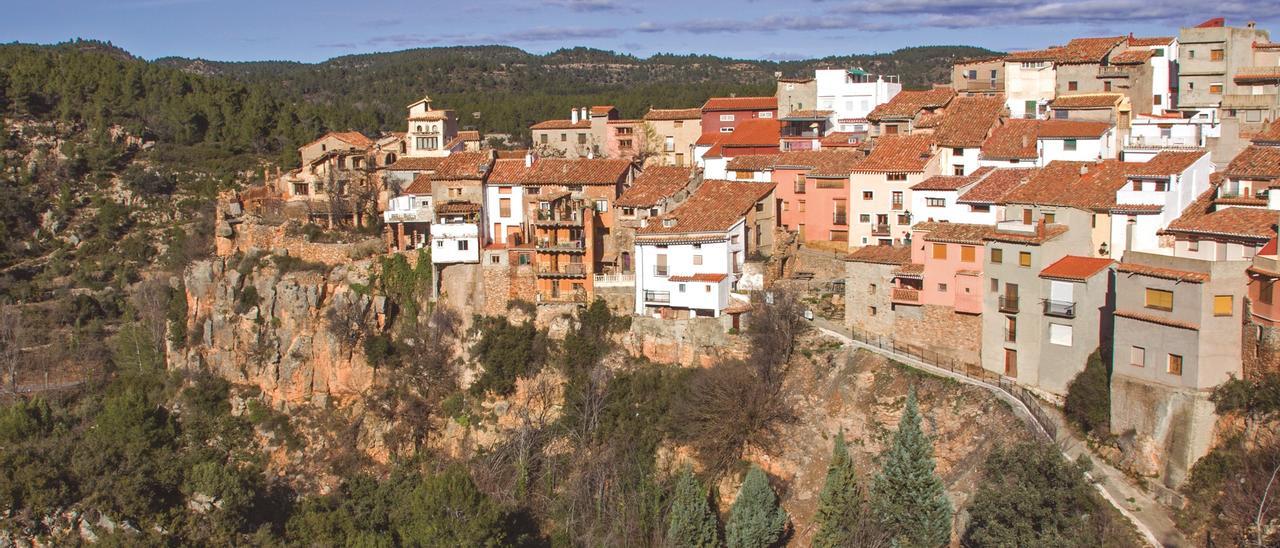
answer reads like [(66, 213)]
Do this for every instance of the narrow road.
[(1152, 519)]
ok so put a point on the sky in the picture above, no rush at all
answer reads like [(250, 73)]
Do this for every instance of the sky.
[(315, 30)]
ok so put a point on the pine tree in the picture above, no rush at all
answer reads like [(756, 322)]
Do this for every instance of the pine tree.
[(755, 519), (908, 495), (691, 521), (842, 505)]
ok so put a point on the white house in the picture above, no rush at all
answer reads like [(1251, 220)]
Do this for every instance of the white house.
[(429, 129), (1148, 135), (851, 94), (687, 261), (1028, 143), (1030, 82), (1156, 192), (455, 236), (971, 199)]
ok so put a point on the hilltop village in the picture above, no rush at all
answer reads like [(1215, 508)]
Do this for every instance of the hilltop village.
[(1108, 199)]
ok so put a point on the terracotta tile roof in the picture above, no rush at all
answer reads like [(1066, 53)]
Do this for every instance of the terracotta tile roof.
[(561, 171), (431, 116), (1165, 164), (562, 124), (1258, 75), (451, 208), (1162, 273), (655, 184), (673, 114), (1047, 54), (1082, 185), (513, 153), (976, 60), (1150, 41), (420, 186), (910, 153), (1266, 45), (808, 114), (1241, 201), (353, 138), (911, 270), (624, 122), (753, 133), (1075, 268), (1028, 238), (967, 120), (708, 278), (928, 120), (993, 188), (1013, 140), (907, 103), (715, 207), (1066, 129), (1136, 209), (602, 110), (469, 135), (1255, 162), (951, 182), (1087, 50), (882, 254), (1269, 136), (1132, 57), (1242, 222), (821, 163), (740, 103), (841, 139), (416, 164), (464, 165), (1086, 101), (752, 162), (954, 233), (1152, 318)]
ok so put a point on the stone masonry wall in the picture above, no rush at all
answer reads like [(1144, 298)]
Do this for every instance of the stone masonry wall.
[(246, 236), (699, 342), (940, 330), (1163, 430), (860, 298)]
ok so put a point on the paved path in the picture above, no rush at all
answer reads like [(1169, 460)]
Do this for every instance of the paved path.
[(1152, 519)]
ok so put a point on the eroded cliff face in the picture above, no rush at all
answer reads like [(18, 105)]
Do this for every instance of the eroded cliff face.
[(288, 334)]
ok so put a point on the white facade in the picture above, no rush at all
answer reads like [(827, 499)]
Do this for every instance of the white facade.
[(714, 168), (1148, 136), (1077, 149), (1163, 78), (925, 207), (964, 158), (428, 130), (500, 199), (409, 208), (1139, 232), (1029, 84), (852, 97), (454, 240), (721, 254)]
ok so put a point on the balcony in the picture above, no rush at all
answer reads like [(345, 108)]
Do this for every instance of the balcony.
[(791, 133), (547, 217), (1139, 141), (880, 230), (840, 219), (1008, 304), (1061, 309), (1112, 71), (571, 270), (906, 295), (559, 246), (657, 297), (897, 206), (984, 85), (1016, 226), (422, 215), (614, 280)]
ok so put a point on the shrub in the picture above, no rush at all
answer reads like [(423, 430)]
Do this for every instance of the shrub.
[(1088, 403), (506, 352), (379, 349), (247, 299)]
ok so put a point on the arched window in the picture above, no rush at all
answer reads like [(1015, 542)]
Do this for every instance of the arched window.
[(391, 158)]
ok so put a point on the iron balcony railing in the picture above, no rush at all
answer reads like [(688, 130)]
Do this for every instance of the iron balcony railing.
[(880, 230), (658, 297), (1061, 309), (1008, 304)]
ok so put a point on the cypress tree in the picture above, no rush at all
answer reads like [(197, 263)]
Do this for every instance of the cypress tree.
[(842, 505), (755, 519), (691, 521), (907, 494)]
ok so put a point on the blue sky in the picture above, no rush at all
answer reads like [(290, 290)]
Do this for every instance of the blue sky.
[(237, 30)]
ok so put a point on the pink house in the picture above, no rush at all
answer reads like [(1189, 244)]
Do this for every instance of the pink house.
[(723, 114), (946, 261), (624, 138), (813, 193)]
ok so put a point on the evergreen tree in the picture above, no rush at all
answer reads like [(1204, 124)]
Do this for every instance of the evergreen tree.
[(755, 519), (908, 495), (843, 517), (691, 522)]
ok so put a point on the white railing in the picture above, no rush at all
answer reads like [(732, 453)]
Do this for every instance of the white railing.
[(614, 280), (1015, 226), (1140, 141)]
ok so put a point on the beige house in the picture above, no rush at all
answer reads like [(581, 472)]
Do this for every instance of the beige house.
[(978, 76), (584, 135), (675, 131), (879, 201), (796, 94), (429, 129)]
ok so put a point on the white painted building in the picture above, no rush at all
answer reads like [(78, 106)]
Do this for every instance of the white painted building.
[(1148, 135), (429, 129), (972, 199), (1076, 148), (1156, 193), (1029, 85), (455, 238), (851, 94), (503, 211)]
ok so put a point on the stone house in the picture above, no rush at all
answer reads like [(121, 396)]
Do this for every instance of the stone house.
[(906, 111), (676, 130)]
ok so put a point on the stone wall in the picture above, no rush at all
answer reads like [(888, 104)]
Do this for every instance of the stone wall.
[(1261, 350), (699, 342), (621, 299), (860, 298), (940, 330), (1162, 430), (247, 236), (496, 280)]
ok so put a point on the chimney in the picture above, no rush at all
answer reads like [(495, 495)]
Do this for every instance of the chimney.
[(573, 115), (585, 114), (528, 158), (1084, 169), (1040, 228), (1025, 142)]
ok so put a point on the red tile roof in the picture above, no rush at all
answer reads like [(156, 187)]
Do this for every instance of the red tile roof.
[(1266, 45), (464, 165), (1150, 41), (513, 153), (457, 208), (655, 184), (1152, 318), (821, 163), (1066, 129), (673, 114), (740, 103), (752, 162), (1086, 101), (841, 139), (1203, 218), (758, 132), (469, 135), (882, 254), (416, 164), (1028, 238), (353, 138), (1258, 75), (953, 233), (708, 278), (1162, 273), (1013, 140), (1087, 50), (1082, 185), (1269, 136), (1165, 164), (715, 207), (561, 171), (908, 103), (951, 182), (1075, 268), (967, 121), (893, 153), (420, 186), (1255, 162), (562, 124), (1132, 57), (602, 110), (993, 188)]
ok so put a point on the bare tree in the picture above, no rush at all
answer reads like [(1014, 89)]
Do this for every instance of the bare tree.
[(13, 335)]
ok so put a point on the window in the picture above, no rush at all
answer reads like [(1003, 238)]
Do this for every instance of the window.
[(942, 288), (1061, 114), (1026, 216), (967, 253), (564, 137), (840, 235), (660, 269), (940, 251), (1069, 144), (868, 195), (1073, 85), (1265, 288), (726, 129), (679, 123), (1157, 100), (532, 190), (495, 259), (1223, 305), (1174, 366), (830, 183), (743, 175), (1162, 186), (1191, 54), (766, 114), (759, 207), (726, 117), (995, 285), (897, 199), (602, 205), (628, 211), (301, 189), (463, 245), (455, 192), (1060, 334), (1216, 55), (799, 184), (871, 311), (1049, 218), (1215, 88), (997, 255), (543, 138), (935, 202), (522, 259), (1106, 86), (1157, 52), (801, 205), (891, 129), (1010, 329), (871, 289), (708, 286), (582, 138), (624, 144), (1137, 356), (1024, 259), (697, 260), (669, 144), (1159, 299), (864, 218), (624, 131), (681, 288), (734, 239), (896, 177), (958, 171), (840, 216), (504, 207)]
